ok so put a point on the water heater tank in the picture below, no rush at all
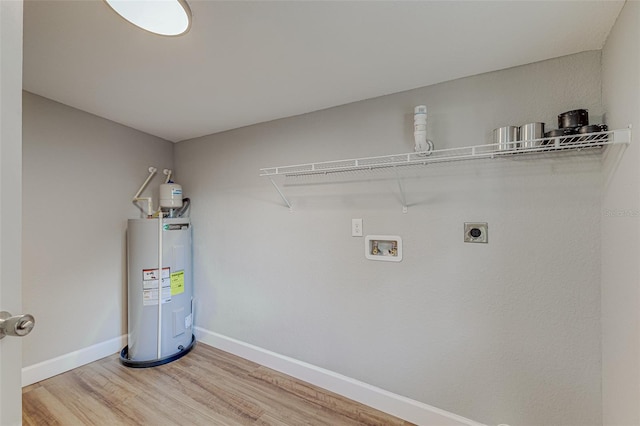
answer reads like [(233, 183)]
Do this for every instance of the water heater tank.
[(170, 195), (174, 330)]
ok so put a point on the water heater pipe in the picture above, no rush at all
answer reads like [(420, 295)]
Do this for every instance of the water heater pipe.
[(167, 172), (160, 284), (136, 198)]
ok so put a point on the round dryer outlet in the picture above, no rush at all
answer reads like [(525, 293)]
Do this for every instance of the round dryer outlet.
[(476, 232)]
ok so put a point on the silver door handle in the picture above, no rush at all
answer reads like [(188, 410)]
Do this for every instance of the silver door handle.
[(19, 325)]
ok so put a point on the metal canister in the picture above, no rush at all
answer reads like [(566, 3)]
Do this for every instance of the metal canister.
[(506, 137), (573, 119), (529, 133)]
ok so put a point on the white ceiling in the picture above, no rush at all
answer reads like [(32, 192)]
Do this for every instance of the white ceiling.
[(245, 62)]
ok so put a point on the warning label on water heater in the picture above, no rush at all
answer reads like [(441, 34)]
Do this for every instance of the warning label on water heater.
[(150, 286), (177, 283)]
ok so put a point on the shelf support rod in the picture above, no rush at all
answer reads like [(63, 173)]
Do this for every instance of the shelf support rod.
[(403, 199), (275, 185)]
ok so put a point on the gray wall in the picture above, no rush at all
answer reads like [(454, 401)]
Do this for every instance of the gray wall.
[(621, 227), (79, 175), (507, 332)]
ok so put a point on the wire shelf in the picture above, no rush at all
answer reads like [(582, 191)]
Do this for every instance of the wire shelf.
[(587, 141), (543, 147)]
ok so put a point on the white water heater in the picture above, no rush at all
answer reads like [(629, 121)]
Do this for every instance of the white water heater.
[(160, 278), (160, 299)]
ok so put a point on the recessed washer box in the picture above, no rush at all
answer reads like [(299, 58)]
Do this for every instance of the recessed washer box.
[(387, 248)]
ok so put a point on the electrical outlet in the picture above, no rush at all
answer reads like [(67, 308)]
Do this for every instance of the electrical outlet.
[(476, 232), (356, 227)]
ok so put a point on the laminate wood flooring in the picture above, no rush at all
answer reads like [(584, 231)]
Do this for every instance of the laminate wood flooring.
[(205, 387)]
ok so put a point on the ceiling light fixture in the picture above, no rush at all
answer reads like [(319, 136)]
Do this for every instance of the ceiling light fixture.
[(164, 17)]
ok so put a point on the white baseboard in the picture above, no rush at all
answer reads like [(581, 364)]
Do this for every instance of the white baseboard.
[(396, 405), (52, 367)]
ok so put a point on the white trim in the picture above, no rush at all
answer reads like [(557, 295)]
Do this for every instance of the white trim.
[(380, 399), (52, 367)]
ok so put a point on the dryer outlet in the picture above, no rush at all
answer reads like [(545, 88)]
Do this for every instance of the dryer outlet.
[(476, 232)]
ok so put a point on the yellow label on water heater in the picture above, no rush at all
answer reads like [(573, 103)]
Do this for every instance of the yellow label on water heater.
[(177, 283)]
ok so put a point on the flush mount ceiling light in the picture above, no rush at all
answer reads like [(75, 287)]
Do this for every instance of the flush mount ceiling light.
[(164, 17)]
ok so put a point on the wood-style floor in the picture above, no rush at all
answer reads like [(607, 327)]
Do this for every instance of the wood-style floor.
[(205, 387)]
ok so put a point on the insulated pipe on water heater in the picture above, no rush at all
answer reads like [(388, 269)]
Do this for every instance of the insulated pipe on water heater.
[(160, 284), (167, 172)]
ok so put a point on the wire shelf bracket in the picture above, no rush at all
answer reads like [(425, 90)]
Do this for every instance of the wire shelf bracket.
[(281, 194)]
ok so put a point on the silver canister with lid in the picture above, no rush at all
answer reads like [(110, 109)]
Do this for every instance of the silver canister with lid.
[(506, 137), (530, 134)]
